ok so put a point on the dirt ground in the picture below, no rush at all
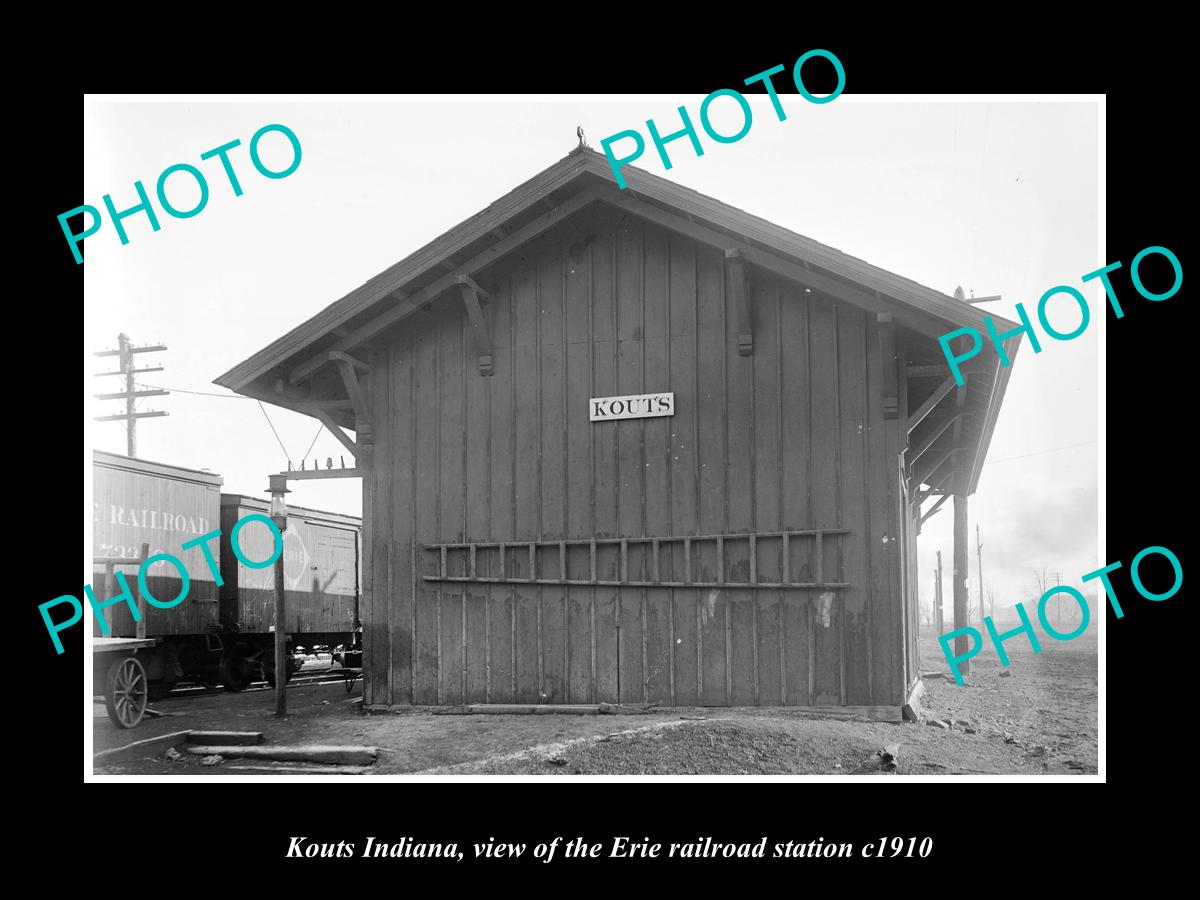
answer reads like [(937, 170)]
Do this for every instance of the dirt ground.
[(1040, 718)]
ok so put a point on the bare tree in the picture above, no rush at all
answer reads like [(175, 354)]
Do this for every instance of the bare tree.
[(1041, 581)]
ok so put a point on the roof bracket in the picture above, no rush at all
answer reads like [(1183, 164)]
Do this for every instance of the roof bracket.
[(936, 507), (347, 366), (339, 357), (471, 292), (938, 395), (941, 429), (741, 302), (334, 429)]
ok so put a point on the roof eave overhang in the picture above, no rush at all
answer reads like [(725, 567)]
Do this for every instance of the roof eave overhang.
[(992, 412), (280, 356)]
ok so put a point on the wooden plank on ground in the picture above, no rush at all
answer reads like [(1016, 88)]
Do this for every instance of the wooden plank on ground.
[(351, 756)]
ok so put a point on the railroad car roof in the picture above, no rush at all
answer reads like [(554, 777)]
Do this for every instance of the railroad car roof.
[(300, 512), (296, 368), (169, 470)]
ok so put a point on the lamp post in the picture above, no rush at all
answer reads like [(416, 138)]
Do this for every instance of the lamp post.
[(279, 516)]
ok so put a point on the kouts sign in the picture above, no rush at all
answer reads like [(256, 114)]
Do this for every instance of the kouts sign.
[(634, 406)]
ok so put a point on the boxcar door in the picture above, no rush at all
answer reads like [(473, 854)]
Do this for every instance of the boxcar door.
[(334, 580)]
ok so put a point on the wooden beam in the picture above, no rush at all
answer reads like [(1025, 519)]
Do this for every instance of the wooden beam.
[(328, 404), (339, 356), (934, 488), (468, 280), (741, 303), (354, 390), (321, 474), (928, 442), (958, 580), (942, 499), (938, 395), (941, 370), (923, 476), (333, 427), (479, 325), (773, 263), (488, 256)]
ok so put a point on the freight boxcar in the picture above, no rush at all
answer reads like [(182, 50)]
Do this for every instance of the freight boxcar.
[(320, 566), (218, 634), (138, 502)]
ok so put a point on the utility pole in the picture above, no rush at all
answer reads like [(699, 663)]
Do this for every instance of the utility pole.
[(125, 351), (959, 581), (979, 556), (278, 512), (937, 593)]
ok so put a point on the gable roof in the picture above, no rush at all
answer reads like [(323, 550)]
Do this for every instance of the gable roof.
[(278, 372)]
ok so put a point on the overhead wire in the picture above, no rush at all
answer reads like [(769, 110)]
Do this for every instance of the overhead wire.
[(1038, 453), (286, 455), (320, 427), (198, 393), (317, 435)]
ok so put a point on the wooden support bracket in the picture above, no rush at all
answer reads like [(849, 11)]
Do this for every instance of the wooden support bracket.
[(741, 301), (941, 370), (333, 427), (936, 507), (471, 292), (362, 411), (922, 475), (934, 488), (406, 305), (938, 395), (937, 433), (339, 356)]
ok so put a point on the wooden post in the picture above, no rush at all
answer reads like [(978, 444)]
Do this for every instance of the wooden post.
[(280, 634), (130, 394), (959, 579), (937, 593), (979, 556), (141, 601)]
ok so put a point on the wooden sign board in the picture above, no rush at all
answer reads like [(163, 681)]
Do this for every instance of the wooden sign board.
[(634, 406)]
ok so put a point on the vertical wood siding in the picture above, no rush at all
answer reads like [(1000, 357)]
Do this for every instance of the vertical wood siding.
[(789, 438)]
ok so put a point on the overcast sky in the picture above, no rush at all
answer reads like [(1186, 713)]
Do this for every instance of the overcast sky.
[(1000, 198)]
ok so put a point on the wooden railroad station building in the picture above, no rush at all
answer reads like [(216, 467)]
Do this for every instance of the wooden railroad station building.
[(756, 546)]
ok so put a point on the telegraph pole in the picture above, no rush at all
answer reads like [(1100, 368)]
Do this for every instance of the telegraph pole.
[(125, 351), (979, 556), (937, 593)]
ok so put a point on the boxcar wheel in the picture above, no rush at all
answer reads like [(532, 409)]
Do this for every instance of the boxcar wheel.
[(268, 670), (127, 692), (237, 672)]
